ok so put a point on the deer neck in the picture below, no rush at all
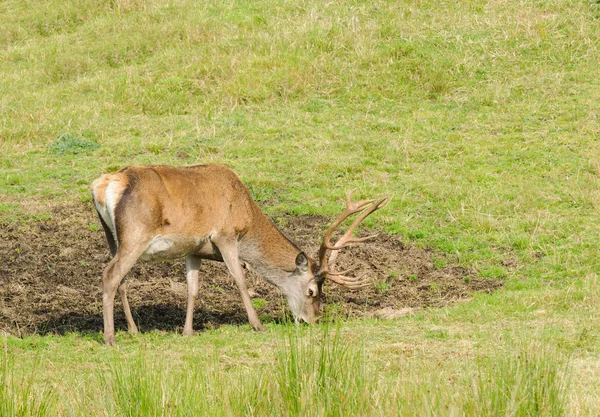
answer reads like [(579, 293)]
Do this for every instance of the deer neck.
[(268, 251)]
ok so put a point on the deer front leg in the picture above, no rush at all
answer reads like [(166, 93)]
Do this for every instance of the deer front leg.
[(229, 253), (192, 265), (131, 327)]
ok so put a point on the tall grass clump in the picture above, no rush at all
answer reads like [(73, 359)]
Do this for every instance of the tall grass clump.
[(141, 385), (211, 386), (312, 372), (138, 387), (323, 374), (318, 371), (20, 394), (529, 381)]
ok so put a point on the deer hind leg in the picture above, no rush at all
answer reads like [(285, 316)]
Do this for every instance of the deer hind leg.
[(113, 274), (192, 265), (131, 327), (229, 253)]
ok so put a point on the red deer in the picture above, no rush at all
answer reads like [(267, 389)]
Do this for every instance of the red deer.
[(205, 212)]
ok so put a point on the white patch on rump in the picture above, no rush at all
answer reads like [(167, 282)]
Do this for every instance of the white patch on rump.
[(106, 203), (112, 196)]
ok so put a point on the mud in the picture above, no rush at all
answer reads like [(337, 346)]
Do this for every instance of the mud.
[(50, 279)]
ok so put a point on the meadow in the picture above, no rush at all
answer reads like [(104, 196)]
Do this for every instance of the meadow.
[(479, 118)]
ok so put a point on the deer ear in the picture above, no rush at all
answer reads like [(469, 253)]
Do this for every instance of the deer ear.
[(302, 262)]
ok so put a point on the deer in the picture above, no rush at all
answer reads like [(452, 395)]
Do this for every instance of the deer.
[(204, 212)]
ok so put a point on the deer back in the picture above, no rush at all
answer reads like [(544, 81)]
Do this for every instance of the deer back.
[(184, 201)]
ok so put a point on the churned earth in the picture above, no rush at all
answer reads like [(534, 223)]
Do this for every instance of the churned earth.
[(50, 279)]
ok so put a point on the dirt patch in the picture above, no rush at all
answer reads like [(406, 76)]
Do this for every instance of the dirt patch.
[(50, 279)]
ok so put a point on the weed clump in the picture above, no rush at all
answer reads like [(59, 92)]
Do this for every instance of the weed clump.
[(22, 394), (67, 144)]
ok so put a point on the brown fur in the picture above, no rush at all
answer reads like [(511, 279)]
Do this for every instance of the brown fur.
[(199, 212), (205, 212)]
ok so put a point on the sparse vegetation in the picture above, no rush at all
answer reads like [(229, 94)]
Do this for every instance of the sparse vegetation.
[(382, 287), (258, 302), (438, 263)]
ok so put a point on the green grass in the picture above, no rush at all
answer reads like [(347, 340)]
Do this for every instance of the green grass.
[(531, 381), (298, 371), (23, 394), (66, 143), (477, 118), (480, 119)]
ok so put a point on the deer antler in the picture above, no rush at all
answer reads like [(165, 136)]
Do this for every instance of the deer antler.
[(325, 267)]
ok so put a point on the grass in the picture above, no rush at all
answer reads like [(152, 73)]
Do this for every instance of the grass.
[(66, 143), (477, 131), (320, 371), (529, 382), (478, 118), (23, 394)]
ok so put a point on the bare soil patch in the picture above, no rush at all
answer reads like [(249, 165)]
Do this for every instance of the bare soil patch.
[(50, 279)]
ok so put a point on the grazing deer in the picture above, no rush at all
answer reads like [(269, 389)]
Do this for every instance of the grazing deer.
[(205, 212)]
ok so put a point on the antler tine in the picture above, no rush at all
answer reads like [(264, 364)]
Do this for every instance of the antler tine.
[(341, 272), (351, 208), (347, 237), (366, 207), (358, 204), (349, 282)]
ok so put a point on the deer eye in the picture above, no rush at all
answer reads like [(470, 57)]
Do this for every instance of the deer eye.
[(311, 293)]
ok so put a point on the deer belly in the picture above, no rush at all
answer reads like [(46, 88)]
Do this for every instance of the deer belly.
[(170, 247)]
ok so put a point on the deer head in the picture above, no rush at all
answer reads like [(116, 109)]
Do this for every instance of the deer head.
[(311, 275)]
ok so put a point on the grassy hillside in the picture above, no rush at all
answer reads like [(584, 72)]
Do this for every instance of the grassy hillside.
[(480, 119)]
